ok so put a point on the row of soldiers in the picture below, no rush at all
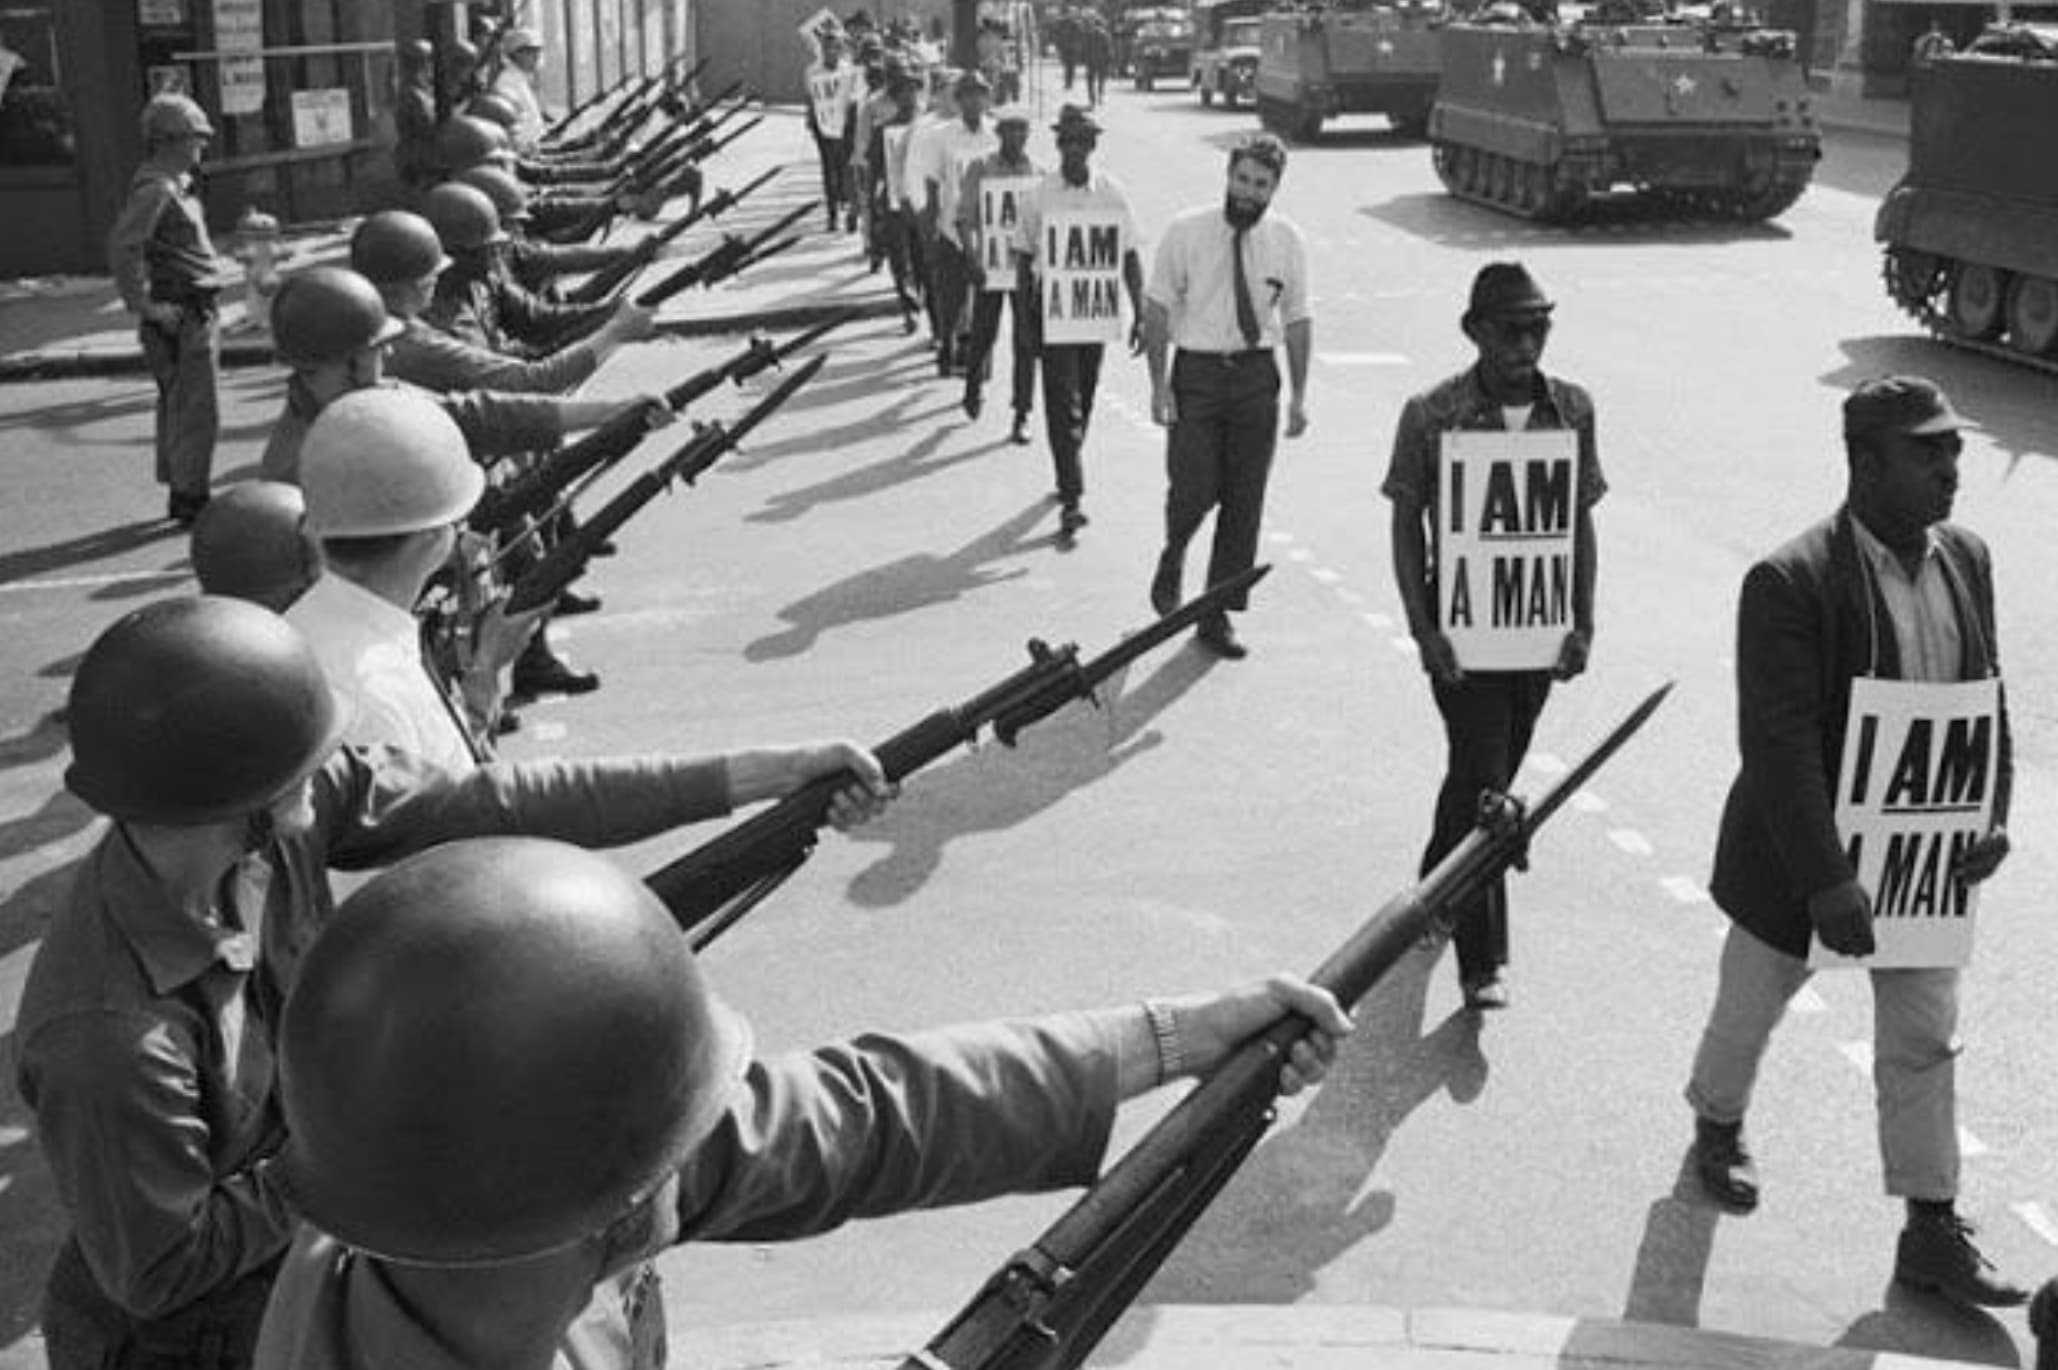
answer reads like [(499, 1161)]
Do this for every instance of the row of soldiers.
[(286, 1137)]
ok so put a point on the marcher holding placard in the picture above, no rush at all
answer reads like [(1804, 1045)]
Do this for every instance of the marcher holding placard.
[(1883, 592), (832, 94), (1495, 436), (1082, 244), (951, 152), (1228, 284), (996, 192)]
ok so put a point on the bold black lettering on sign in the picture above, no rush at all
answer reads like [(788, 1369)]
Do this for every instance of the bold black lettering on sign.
[(1532, 591), (1916, 878), (1090, 247), (1083, 299), (1928, 776), (1543, 504)]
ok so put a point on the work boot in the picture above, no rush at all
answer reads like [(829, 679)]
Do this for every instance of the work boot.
[(182, 508), (1937, 1253), (1723, 1164), (973, 402), (540, 671)]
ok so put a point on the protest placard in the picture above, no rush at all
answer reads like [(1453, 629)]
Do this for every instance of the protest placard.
[(1506, 543), (1915, 789), (1001, 201), (827, 93), (1081, 257)]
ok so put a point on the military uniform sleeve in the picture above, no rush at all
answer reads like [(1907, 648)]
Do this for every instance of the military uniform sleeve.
[(1780, 709), (128, 239), (497, 425), (376, 805), (121, 1119), (535, 321), (439, 361), (888, 1124)]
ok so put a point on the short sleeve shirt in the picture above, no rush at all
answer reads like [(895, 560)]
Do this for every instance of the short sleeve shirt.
[(1193, 277)]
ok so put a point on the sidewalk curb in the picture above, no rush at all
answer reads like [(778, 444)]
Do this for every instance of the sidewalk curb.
[(63, 364), (1310, 1337)]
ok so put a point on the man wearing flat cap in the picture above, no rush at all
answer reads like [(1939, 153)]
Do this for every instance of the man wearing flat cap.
[(1881, 597), (1489, 715)]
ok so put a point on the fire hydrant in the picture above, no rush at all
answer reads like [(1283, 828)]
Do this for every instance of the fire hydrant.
[(257, 243)]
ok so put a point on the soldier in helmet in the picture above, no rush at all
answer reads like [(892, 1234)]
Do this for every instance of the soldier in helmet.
[(464, 142), (251, 542), (330, 326), (478, 298), (439, 1121), (165, 268), (535, 262), (204, 729), (399, 253), (414, 149), (388, 482)]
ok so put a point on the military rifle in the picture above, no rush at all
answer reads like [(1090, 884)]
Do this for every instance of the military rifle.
[(501, 510), (1049, 1305), (711, 887), (565, 562), (725, 259), (557, 131), (680, 164), (613, 277)]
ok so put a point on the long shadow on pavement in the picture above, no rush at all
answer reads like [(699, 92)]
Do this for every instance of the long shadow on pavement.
[(97, 546), (1081, 745), (902, 586), (878, 423), (1916, 1324), (1671, 1271), (1297, 1204), (911, 465), (2011, 405)]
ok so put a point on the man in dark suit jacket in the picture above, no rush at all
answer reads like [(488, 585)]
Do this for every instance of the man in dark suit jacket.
[(1883, 588)]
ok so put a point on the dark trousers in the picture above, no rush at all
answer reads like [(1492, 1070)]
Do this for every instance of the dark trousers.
[(1488, 719), (186, 364), (899, 243), (835, 156), (1219, 456), (986, 307), (952, 279), (1071, 373)]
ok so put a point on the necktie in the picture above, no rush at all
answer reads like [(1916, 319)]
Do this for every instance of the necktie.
[(1246, 312)]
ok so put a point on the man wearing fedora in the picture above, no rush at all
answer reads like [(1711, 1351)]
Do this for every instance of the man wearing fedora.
[(1884, 589), (1488, 716), (1071, 371)]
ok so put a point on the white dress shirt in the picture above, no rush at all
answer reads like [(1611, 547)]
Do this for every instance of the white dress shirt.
[(1193, 277), (371, 651)]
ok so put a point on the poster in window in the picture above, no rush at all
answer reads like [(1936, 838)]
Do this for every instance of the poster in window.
[(239, 38), (321, 118)]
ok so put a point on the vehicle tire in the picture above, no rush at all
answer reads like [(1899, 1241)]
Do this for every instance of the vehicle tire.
[(2033, 315), (1977, 300)]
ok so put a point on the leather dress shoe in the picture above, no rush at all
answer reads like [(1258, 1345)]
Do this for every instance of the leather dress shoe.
[(1218, 637), (182, 509), (1071, 518), (1164, 587), (1019, 434), (1937, 1253), (505, 722), (553, 676), (973, 404), (1723, 1165), (1485, 992), (570, 602), (2043, 1320)]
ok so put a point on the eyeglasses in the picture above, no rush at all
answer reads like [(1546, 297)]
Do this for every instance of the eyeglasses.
[(1509, 332)]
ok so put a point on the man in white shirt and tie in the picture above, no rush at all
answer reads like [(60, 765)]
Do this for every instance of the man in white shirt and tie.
[(1228, 284)]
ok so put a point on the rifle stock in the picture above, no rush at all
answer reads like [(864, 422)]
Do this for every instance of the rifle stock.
[(716, 883), (566, 562), (1047, 1307)]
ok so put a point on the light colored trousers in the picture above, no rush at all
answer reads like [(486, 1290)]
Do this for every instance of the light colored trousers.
[(1914, 1056)]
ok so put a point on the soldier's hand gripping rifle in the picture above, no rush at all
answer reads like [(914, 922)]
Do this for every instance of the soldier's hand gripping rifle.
[(565, 562), (503, 508), (611, 278), (715, 884), (1049, 1305), (725, 259)]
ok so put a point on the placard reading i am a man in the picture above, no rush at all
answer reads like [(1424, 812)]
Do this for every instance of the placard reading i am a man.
[(1507, 524)]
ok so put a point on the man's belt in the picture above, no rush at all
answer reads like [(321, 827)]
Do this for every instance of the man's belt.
[(1237, 358)]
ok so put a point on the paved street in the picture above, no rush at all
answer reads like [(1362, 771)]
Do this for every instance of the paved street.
[(871, 555)]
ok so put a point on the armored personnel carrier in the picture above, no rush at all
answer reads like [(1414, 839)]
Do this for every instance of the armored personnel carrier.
[(1540, 119), (1971, 231), (1352, 57)]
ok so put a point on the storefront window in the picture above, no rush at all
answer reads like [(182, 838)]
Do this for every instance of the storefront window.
[(35, 121)]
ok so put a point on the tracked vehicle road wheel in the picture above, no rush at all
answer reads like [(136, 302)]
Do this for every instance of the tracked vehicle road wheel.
[(1977, 301), (2033, 315)]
